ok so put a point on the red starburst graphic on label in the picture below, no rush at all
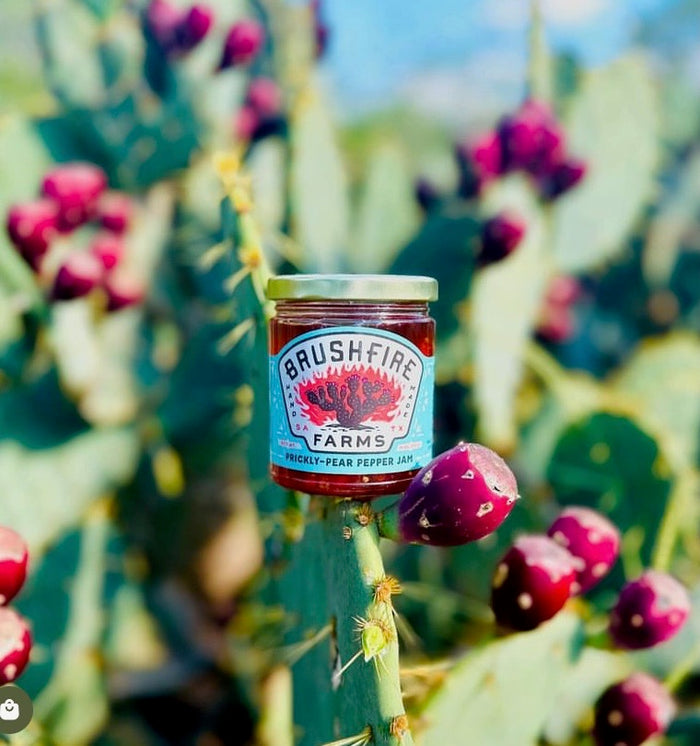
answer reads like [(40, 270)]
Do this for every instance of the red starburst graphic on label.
[(349, 397)]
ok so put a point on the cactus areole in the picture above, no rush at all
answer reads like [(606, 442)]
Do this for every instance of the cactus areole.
[(351, 382)]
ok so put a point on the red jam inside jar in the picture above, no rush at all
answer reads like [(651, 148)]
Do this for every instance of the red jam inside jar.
[(351, 382)]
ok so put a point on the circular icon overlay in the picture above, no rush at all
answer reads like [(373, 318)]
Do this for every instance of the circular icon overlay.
[(16, 709)]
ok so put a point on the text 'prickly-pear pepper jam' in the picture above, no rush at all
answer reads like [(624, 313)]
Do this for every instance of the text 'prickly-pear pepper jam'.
[(351, 382)]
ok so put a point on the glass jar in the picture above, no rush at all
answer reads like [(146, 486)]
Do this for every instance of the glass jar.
[(351, 382)]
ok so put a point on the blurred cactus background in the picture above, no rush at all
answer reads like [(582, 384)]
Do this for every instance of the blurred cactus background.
[(158, 161)]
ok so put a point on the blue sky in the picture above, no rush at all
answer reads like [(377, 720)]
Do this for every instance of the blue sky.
[(380, 48)]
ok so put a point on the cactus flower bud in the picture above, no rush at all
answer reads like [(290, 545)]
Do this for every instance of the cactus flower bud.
[(243, 42), (265, 96), (15, 645), (591, 539), (649, 611), (632, 711), (108, 248), (76, 277), (76, 189), (460, 496), (532, 582), (13, 564), (499, 237), (122, 291), (114, 211), (31, 227), (564, 176)]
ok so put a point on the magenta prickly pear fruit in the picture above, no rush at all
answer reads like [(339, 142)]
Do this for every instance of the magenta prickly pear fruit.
[(122, 291), (193, 27), (13, 564), (108, 248), (562, 178), (499, 237), (649, 611), (532, 582), (591, 539), (482, 154), (15, 645), (265, 96), (632, 711), (243, 42), (531, 139), (246, 123), (114, 211), (558, 325), (162, 20), (31, 227), (76, 189), (460, 496), (563, 290), (77, 276), (480, 162)]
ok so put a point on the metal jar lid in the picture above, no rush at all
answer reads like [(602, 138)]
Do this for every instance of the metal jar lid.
[(352, 287)]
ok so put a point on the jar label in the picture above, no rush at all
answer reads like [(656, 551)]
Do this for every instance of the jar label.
[(351, 400)]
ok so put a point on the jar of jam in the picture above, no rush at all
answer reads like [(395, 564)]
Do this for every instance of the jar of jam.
[(351, 382)]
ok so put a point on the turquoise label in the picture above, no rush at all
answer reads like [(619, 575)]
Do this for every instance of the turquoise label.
[(351, 400)]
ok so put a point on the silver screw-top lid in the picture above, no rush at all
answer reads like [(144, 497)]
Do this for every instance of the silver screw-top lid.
[(353, 287)]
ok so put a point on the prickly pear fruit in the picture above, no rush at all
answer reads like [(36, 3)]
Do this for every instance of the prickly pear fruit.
[(499, 237), (591, 539), (632, 711), (557, 326), (461, 495), (245, 123), (242, 44), (563, 177), (114, 211), (563, 290), (76, 277), (76, 189), (108, 248), (122, 291), (531, 139), (193, 27), (31, 227), (532, 582), (265, 96), (13, 564), (15, 645), (649, 611), (162, 19)]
